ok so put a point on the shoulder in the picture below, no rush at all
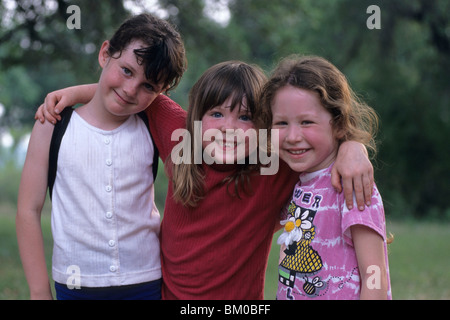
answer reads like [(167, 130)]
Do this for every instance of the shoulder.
[(38, 148), (163, 103), (372, 216), (41, 135), (164, 110), (164, 116)]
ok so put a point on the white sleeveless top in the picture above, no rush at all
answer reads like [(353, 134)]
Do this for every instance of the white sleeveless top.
[(105, 223)]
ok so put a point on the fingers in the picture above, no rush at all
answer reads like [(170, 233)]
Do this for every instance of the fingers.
[(336, 179), (368, 185), (359, 193), (361, 187), (51, 102), (39, 115), (49, 116), (347, 184)]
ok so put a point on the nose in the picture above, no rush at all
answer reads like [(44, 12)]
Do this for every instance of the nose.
[(130, 88), (293, 135), (228, 123)]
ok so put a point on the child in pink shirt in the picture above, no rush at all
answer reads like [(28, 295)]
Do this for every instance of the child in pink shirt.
[(328, 251)]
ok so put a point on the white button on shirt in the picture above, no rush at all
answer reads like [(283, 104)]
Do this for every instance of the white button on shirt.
[(104, 219)]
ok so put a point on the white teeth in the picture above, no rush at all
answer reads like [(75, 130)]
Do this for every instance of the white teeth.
[(297, 151), (226, 144)]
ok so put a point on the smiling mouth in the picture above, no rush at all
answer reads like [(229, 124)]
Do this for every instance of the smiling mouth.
[(227, 144), (122, 99), (297, 152)]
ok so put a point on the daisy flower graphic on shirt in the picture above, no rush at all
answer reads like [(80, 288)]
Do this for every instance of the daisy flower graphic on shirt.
[(294, 226)]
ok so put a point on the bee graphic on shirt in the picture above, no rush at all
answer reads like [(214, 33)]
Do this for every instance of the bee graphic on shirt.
[(311, 287)]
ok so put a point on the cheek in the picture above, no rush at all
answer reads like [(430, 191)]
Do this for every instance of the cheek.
[(206, 124), (145, 99), (248, 126), (323, 141), (110, 79)]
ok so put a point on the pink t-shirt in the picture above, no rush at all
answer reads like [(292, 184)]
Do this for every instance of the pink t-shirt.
[(317, 257)]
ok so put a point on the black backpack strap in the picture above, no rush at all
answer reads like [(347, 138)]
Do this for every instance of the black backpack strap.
[(144, 118), (58, 133)]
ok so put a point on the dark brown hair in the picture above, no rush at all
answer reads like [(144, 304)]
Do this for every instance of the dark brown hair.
[(164, 57)]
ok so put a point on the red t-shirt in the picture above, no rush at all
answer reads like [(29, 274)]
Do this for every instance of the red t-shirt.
[(219, 249)]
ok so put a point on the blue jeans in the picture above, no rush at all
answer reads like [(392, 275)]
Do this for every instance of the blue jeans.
[(142, 291)]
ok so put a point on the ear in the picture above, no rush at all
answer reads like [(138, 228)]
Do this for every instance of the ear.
[(338, 132), (103, 56)]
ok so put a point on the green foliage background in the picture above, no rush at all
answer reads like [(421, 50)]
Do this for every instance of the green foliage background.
[(402, 69)]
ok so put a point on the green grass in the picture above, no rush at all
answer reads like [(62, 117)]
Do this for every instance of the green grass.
[(13, 285), (419, 260)]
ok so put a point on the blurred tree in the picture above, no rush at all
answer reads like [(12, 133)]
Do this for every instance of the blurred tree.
[(402, 69), (36, 45)]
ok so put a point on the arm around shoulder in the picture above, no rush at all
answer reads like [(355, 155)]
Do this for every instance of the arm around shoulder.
[(56, 101), (354, 167), (165, 116)]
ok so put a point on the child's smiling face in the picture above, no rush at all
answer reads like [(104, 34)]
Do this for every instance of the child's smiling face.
[(232, 145), (124, 86), (306, 138)]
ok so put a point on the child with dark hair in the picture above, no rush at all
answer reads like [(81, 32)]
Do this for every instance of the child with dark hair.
[(105, 223)]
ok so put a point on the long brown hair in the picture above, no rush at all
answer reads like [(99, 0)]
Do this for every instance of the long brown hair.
[(233, 79), (352, 119)]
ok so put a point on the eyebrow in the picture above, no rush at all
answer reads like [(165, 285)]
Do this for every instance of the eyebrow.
[(157, 87)]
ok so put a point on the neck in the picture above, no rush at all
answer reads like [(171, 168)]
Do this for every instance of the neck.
[(96, 114)]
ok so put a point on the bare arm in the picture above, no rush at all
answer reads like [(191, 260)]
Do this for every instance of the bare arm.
[(371, 263), (31, 199), (56, 101), (353, 165)]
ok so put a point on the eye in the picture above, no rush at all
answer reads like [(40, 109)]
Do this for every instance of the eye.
[(149, 87), (306, 122), (279, 123), (126, 71), (216, 114), (245, 117)]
